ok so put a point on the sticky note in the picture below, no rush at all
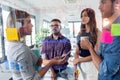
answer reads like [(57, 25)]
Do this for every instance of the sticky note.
[(115, 30), (106, 37), (11, 34)]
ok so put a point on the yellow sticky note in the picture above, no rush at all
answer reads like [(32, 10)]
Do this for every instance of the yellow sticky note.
[(12, 34), (78, 72)]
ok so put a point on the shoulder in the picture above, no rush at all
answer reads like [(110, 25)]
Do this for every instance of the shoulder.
[(117, 20), (47, 39), (65, 39), (98, 32)]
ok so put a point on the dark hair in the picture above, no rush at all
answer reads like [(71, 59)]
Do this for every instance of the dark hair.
[(112, 1), (56, 20), (20, 15), (92, 23), (16, 16)]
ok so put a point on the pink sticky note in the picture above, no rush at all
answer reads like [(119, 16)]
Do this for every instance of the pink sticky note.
[(106, 37)]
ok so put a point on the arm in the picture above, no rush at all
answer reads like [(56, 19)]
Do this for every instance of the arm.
[(46, 68), (76, 52), (79, 60), (96, 58), (98, 40), (67, 48)]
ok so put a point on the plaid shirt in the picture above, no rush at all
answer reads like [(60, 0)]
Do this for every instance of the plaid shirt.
[(52, 48)]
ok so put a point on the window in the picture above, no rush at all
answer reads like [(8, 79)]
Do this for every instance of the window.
[(74, 28), (4, 12)]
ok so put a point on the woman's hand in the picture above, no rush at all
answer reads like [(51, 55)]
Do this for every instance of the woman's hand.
[(76, 61), (53, 75), (85, 44)]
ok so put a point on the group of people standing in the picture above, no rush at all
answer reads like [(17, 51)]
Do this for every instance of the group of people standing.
[(91, 54)]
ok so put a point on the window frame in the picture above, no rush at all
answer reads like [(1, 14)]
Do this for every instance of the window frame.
[(3, 58)]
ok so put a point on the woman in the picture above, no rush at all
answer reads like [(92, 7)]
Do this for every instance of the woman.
[(20, 57), (107, 59), (91, 31)]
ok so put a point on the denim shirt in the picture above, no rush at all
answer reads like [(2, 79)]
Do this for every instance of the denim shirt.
[(109, 68)]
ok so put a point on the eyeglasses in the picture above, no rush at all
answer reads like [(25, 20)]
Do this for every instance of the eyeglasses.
[(54, 25)]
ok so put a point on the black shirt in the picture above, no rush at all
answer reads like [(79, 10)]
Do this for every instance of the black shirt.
[(83, 52)]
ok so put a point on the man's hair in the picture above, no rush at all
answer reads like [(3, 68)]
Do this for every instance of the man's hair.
[(56, 20), (112, 1)]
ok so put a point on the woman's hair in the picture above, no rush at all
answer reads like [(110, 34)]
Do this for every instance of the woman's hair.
[(92, 24), (112, 1), (16, 19)]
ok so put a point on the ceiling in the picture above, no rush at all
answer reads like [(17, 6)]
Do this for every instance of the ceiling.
[(66, 10)]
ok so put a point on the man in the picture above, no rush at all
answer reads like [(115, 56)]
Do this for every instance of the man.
[(56, 46), (21, 59), (107, 58)]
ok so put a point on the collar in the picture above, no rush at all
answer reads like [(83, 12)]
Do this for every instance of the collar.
[(60, 36)]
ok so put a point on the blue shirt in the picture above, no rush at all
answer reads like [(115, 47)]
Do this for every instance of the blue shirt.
[(109, 68)]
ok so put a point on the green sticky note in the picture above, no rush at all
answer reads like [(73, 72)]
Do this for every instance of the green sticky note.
[(115, 29)]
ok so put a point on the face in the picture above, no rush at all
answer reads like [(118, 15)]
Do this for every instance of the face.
[(106, 8), (117, 6), (28, 26), (55, 27), (85, 18)]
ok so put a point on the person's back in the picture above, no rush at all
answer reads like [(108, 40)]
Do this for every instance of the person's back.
[(19, 54)]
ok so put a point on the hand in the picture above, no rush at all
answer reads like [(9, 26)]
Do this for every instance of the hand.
[(62, 60), (76, 75), (85, 44), (76, 61), (58, 60), (53, 75), (75, 72), (39, 62), (57, 57)]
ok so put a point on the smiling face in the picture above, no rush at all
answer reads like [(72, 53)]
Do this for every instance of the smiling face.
[(106, 8)]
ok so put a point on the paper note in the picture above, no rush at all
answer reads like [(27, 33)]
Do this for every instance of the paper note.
[(115, 30), (106, 37), (11, 34)]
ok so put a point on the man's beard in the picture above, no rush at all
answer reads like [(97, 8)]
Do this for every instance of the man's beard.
[(56, 33)]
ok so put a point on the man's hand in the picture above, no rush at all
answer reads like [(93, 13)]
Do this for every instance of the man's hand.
[(58, 60), (39, 62)]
